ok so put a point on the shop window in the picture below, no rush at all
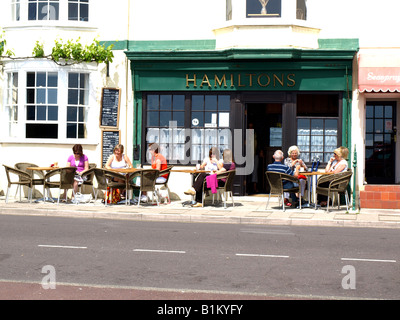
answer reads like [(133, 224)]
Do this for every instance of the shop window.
[(43, 10), (41, 105), (165, 124), (11, 105), (263, 8), (185, 135), (317, 126), (78, 10), (78, 105)]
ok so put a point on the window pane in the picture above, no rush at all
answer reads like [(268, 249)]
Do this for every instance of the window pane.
[(73, 80), (165, 102), (71, 114), (71, 130), (52, 96), (30, 112), (52, 80), (378, 111), (41, 113), (53, 113), (30, 79), (211, 103), (165, 118), (32, 11), (81, 131), (197, 117), (72, 11), (152, 102), (40, 95), (41, 79), (197, 102), (30, 96), (224, 103), (178, 102), (179, 117), (43, 131), (72, 96), (153, 119), (84, 16)]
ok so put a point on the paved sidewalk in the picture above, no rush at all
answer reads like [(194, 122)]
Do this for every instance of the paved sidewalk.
[(247, 210)]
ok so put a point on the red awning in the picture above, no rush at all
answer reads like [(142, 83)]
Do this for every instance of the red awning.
[(379, 74)]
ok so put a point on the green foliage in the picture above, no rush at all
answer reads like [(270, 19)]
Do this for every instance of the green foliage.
[(75, 52), (71, 52)]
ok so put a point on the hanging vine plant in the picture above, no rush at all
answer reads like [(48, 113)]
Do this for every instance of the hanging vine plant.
[(69, 53)]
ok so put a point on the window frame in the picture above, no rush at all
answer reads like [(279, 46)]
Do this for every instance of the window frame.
[(188, 128), (23, 68)]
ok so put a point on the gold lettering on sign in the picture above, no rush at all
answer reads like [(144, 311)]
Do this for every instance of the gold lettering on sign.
[(205, 81), (220, 81), (263, 84), (250, 78), (278, 79), (191, 80), (293, 82), (262, 80)]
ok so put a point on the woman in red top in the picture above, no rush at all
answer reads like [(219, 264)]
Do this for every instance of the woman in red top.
[(158, 162)]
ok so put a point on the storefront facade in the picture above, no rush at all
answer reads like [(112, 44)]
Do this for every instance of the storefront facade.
[(190, 100), (377, 101)]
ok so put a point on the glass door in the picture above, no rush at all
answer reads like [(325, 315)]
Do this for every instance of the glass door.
[(380, 141)]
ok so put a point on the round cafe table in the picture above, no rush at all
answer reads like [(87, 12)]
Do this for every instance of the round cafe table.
[(312, 181)]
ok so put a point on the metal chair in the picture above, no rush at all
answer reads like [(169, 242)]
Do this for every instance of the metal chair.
[(332, 184), (227, 177), (147, 182), (65, 181), (35, 181), (24, 179), (275, 180), (105, 179)]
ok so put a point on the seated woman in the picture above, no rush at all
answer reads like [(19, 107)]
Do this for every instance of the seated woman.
[(211, 164), (292, 161), (227, 165), (335, 164), (81, 162)]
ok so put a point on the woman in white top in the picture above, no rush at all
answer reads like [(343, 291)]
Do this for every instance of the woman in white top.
[(118, 159), (336, 164)]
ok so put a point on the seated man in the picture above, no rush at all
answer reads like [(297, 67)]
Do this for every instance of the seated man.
[(278, 166)]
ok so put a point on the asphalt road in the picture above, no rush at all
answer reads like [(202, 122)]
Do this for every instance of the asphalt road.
[(168, 260)]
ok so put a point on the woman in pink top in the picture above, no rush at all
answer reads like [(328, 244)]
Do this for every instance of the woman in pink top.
[(80, 161)]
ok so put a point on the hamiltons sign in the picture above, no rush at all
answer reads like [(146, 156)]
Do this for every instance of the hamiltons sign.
[(240, 80)]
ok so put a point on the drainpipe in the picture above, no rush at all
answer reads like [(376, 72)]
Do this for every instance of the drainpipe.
[(354, 178)]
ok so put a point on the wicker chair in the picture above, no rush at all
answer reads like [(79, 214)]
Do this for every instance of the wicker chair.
[(24, 179), (37, 176), (105, 179), (228, 176), (89, 174), (147, 182), (65, 180), (275, 180), (163, 173), (334, 184)]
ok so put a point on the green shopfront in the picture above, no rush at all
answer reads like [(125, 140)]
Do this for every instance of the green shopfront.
[(194, 97)]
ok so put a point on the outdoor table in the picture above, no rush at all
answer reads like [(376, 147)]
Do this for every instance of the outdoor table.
[(312, 181), (193, 172), (125, 174), (43, 169)]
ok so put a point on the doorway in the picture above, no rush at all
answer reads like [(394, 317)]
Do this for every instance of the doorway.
[(266, 120), (380, 142)]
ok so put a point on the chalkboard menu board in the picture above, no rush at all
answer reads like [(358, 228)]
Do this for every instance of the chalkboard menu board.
[(109, 139), (109, 113)]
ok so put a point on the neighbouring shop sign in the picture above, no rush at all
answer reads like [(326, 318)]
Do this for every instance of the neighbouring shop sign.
[(375, 79)]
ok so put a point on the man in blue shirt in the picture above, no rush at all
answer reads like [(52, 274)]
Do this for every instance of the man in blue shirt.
[(278, 166)]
